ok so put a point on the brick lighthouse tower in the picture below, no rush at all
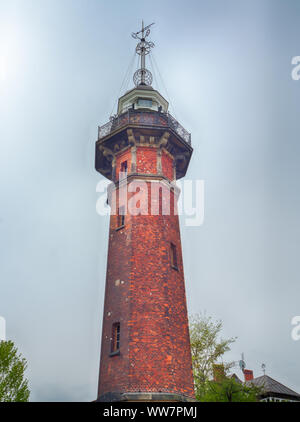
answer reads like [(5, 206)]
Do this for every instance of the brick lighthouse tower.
[(145, 349)]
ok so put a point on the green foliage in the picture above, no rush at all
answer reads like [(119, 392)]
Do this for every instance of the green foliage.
[(207, 349), (13, 385), (229, 390)]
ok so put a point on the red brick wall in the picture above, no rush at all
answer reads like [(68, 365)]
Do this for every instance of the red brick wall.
[(146, 160), (159, 335), (150, 305), (167, 165)]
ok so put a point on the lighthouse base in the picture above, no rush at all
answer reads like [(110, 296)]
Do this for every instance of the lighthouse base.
[(144, 397)]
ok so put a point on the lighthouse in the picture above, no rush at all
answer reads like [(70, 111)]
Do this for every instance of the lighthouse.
[(143, 150)]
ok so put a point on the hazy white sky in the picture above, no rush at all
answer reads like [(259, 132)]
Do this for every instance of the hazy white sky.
[(227, 69)]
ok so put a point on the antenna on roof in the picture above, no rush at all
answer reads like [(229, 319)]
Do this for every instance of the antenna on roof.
[(242, 363), (263, 367)]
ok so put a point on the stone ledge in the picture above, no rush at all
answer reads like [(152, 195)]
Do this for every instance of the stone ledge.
[(144, 397)]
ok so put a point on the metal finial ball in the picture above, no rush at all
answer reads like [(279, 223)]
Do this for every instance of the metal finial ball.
[(142, 76), (144, 47)]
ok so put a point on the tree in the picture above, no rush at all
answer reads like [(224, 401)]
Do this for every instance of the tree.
[(13, 385), (207, 349), (229, 390)]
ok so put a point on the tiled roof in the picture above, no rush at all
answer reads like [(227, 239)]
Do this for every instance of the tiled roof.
[(271, 386)]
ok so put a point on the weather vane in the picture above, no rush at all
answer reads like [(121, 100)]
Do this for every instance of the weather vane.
[(143, 76), (263, 367)]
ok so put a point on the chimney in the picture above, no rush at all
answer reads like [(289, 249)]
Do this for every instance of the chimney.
[(248, 374), (219, 372)]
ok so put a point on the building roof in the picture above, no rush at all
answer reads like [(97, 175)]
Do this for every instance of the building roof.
[(272, 387), (141, 87), (236, 378)]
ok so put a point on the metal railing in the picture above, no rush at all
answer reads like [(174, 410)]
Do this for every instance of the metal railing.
[(144, 118)]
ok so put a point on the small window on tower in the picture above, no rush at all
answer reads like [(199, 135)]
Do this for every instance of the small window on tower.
[(123, 170), (143, 102), (115, 339), (121, 217), (174, 256)]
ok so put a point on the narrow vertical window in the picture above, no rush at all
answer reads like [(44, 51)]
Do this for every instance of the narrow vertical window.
[(121, 217), (123, 170), (160, 203), (115, 338), (174, 256)]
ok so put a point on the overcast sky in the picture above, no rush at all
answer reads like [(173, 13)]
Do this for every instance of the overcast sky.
[(226, 66)]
